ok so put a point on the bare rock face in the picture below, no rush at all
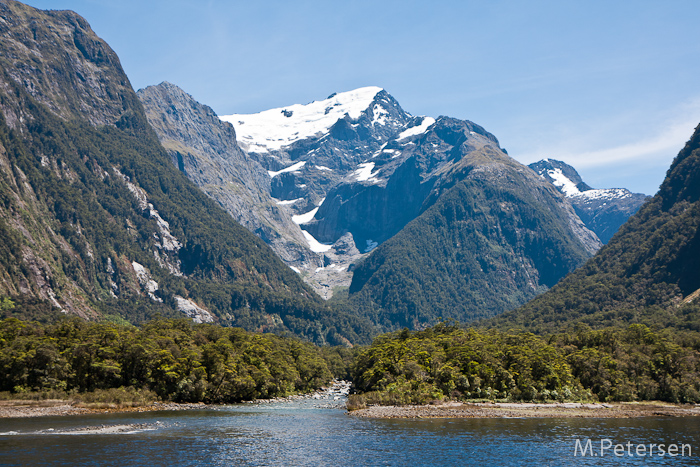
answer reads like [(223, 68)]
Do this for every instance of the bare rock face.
[(205, 149)]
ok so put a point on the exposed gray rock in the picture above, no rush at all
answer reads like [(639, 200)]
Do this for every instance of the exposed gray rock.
[(351, 171), (205, 148)]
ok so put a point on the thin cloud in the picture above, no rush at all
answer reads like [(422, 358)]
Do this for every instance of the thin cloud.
[(657, 147), (664, 145)]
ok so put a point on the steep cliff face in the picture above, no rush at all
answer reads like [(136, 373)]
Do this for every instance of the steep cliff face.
[(204, 148), (293, 156), (52, 69), (62, 64), (96, 220), (647, 273), (407, 176), (602, 210)]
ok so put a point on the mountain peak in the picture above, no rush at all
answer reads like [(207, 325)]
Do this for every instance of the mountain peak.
[(561, 175), (277, 128)]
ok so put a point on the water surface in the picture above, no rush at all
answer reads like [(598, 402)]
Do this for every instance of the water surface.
[(302, 434)]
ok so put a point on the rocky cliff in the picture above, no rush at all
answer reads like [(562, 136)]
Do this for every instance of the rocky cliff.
[(205, 149)]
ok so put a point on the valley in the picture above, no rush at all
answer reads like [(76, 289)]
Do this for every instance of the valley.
[(152, 251)]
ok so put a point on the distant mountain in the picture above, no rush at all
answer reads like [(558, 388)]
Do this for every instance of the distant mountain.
[(488, 233), (647, 273), (355, 169), (603, 210), (96, 220)]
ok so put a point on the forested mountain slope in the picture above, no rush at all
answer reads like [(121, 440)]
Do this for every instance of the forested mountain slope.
[(490, 235), (94, 218), (647, 273)]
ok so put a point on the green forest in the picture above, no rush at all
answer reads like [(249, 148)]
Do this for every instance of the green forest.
[(173, 358), (90, 227), (177, 360), (448, 361), (488, 244)]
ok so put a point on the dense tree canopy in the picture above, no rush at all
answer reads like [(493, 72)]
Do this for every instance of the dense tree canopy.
[(176, 359)]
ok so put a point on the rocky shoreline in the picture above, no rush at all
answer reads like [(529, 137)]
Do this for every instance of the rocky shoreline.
[(529, 410), (56, 407), (329, 397)]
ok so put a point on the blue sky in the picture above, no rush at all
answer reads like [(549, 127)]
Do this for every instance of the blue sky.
[(610, 87)]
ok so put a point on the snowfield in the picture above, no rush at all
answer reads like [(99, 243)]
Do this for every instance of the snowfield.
[(276, 128), (417, 130)]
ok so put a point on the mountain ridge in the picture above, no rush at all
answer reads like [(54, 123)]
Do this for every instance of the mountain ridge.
[(490, 234), (206, 150)]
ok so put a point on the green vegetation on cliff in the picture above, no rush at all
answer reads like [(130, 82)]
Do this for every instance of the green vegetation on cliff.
[(492, 241), (94, 218)]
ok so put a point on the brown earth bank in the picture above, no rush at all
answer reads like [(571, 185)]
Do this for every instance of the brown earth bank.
[(45, 408), (531, 410)]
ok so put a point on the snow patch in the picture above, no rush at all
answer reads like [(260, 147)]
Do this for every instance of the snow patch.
[(305, 218), (287, 202), (606, 193), (394, 152), (380, 115), (276, 128), (563, 182), (321, 167), (295, 269), (291, 168), (364, 173), (315, 245), (417, 130)]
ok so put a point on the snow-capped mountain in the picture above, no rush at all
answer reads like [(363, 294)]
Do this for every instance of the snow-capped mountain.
[(602, 210), (309, 149), (349, 172), (274, 129), (379, 198)]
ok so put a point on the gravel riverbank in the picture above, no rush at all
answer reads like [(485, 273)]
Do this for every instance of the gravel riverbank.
[(524, 410), (48, 408)]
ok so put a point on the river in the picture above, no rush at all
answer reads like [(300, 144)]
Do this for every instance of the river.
[(308, 433)]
